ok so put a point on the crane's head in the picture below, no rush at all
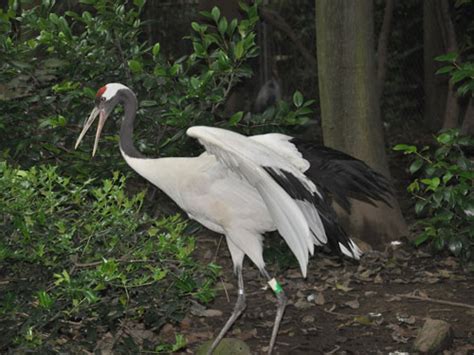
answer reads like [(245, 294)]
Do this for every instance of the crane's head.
[(105, 101)]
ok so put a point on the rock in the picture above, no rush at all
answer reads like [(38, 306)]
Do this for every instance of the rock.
[(320, 300), (435, 336), (228, 346)]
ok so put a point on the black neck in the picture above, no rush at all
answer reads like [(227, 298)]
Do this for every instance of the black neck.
[(129, 100)]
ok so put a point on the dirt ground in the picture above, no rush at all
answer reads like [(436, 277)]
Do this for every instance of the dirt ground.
[(375, 306)]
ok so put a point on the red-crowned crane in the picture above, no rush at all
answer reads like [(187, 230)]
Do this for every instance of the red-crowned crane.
[(244, 186)]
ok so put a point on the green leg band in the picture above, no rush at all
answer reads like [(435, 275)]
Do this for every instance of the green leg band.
[(276, 287)]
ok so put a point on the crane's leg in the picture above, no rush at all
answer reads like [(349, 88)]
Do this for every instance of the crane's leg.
[(282, 301), (239, 307)]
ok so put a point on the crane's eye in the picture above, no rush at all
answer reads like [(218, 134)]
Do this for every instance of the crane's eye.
[(102, 99)]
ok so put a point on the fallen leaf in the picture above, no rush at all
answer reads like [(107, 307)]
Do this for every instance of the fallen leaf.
[(354, 304), (445, 273), (344, 286), (378, 279), (364, 320), (303, 304)]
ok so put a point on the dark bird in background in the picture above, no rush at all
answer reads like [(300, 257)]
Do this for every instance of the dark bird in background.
[(243, 187)]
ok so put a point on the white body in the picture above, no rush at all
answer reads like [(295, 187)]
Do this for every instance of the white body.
[(227, 191)]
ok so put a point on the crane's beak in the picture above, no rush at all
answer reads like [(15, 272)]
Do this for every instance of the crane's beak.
[(102, 117)]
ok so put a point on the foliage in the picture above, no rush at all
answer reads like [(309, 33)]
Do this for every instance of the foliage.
[(97, 261), (443, 189), (461, 73), (54, 69)]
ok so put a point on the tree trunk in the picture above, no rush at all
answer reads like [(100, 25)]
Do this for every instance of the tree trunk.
[(349, 104), (383, 45), (436, 86), (451, 114), (467, 127)]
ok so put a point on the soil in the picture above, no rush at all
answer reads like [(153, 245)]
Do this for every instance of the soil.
[(375, 306)]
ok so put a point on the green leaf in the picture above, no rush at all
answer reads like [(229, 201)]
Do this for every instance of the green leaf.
[(156, 49), (135, 66), (421, 239), (239, 50), (199, 49), (222, 26), (45, 300), (445, 138), (148, 103), (449, 57), (88, 92), (216, 13), (231, 28), (196, 27), (407, 149), (304, 111), (159, 71), (236, 118), (416, 165), (445, 70), (90, 296), (420, 205), (244, 6), (432, 184), (447, 176), (438, 197), (414, 186), (175, 69), (298, 99), (195, 83)]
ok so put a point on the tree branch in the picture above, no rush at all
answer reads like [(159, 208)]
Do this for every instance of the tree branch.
[(434, 300), (279, 22)]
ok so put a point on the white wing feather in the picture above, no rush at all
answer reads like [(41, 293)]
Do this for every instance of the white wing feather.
[(280, 143), (247, 158)]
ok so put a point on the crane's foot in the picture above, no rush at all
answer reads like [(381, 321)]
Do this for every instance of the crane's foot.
[(239, 308), (282, 301)]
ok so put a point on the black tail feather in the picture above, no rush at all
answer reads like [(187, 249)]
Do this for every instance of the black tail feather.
[(344, 177)]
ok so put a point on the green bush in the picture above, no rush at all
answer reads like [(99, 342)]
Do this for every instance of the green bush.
[(444, 194), (76, 253), (54, 69)]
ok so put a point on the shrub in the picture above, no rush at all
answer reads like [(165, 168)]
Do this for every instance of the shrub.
[(88, 256), (443, 191), (54, 69)]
